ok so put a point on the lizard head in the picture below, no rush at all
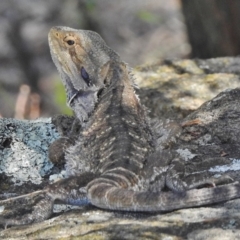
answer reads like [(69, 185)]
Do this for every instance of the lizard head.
[(82, 59)]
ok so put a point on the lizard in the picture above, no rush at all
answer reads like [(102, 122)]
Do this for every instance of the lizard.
[(119, 161)]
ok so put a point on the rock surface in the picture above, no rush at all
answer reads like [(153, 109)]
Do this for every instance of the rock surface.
[(173, 89), (209, 144)]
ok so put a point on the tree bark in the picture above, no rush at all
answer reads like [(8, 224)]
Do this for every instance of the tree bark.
[(212, 27)]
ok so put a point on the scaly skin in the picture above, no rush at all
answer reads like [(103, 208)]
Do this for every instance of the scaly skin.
[(119, 160)]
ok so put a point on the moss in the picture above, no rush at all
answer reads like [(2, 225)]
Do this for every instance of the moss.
[(60, 98)]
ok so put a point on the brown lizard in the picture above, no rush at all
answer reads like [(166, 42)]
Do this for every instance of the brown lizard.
[(118, 161)]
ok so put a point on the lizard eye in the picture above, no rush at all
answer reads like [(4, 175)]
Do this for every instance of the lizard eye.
[(85, 76), (70, 42)]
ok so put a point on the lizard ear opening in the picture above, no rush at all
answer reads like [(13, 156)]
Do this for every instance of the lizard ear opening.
[(103, 71), (85, 76)]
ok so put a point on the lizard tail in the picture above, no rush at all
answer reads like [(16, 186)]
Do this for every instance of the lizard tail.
[(107, 196)]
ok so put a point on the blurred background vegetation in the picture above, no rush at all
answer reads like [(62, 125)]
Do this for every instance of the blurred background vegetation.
[(140, 31)]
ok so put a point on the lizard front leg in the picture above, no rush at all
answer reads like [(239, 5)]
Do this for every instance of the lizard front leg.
[(178, 180), (68, 127)]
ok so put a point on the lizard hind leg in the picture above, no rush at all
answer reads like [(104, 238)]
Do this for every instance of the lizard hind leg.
[(178, 181), (38, 206), (29, 208)]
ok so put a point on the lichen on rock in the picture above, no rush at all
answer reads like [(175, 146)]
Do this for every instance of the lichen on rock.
[(23, 149)]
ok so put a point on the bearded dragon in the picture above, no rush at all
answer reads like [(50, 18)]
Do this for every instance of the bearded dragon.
[(119, 160)]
